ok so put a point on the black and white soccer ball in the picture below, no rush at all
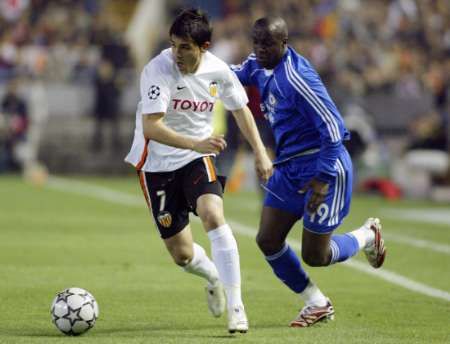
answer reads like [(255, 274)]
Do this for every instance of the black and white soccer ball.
[(74, 311)]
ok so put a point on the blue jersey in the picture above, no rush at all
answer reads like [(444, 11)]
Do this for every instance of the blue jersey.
[(300, 111)]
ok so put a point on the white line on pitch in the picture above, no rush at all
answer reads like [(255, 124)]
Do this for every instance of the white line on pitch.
[(118, 197), (254, 207), (384, 274), (95, 191), (435, 216), (419, 243), (432, 215)]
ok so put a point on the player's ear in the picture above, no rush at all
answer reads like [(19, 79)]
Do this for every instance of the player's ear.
[(205, 46)]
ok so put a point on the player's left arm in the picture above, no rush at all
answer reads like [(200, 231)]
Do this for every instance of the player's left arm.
[(247, 126), (328, 122)]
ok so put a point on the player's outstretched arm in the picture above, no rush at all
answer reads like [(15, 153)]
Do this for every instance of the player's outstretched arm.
[(155, 129), (247, 125)]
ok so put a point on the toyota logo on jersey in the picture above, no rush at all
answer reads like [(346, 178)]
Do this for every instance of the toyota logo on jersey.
[(197, 106)]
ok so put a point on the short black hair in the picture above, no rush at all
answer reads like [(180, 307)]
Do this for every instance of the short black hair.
[(275, 25), (194, 24)]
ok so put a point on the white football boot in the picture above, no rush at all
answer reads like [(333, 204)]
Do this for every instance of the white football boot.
[(216, 298), (375, 253), (237, 320)]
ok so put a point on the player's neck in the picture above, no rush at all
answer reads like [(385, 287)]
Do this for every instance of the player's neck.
[(194, 68)]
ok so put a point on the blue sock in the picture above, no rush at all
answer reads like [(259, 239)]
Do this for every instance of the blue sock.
[(343, 246), (287, 268)]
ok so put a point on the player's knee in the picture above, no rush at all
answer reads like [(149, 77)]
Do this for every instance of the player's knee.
[(181, 255), (315, 258), (182, 258), (267, 245), (211, 217)]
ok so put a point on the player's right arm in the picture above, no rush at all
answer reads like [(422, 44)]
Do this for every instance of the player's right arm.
[(155, 129), (155, 99)]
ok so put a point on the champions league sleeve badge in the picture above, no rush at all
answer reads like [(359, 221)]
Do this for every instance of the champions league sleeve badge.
[(213, 89), (153, 92)]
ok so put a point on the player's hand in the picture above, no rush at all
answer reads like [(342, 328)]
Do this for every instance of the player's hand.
[(319, 190), (213, 144), (263, 166)]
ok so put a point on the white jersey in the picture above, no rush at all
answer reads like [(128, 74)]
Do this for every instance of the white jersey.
[(187, 101)]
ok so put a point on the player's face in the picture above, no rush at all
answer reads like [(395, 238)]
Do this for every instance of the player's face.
[(268, 48), (187, 54)]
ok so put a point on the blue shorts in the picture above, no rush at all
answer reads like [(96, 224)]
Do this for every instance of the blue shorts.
[(291, 176)]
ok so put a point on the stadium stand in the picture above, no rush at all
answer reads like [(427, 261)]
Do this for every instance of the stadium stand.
[(390, 58)]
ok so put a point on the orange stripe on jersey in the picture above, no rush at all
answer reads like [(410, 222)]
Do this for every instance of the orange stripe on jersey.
[(210, 168), (144, 187), (143, 156)]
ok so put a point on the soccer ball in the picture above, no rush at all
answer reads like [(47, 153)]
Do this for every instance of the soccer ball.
[(74, 311)]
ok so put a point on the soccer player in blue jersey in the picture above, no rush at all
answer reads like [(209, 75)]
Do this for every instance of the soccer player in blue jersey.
[(313, 170)]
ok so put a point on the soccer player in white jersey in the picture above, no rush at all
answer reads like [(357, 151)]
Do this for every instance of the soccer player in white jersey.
[(174, 151)]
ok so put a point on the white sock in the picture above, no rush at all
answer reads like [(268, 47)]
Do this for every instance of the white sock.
[(365, 236), (202, 266), (313, 296), (225, 255)]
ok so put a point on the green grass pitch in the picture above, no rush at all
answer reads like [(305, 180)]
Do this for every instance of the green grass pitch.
[(97, 234)]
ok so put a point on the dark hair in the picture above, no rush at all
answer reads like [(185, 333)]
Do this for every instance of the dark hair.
[(194, 24)]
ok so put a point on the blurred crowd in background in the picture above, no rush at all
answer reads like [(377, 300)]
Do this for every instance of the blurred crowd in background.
[(69, 42), (385, 62), (64, 40)]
